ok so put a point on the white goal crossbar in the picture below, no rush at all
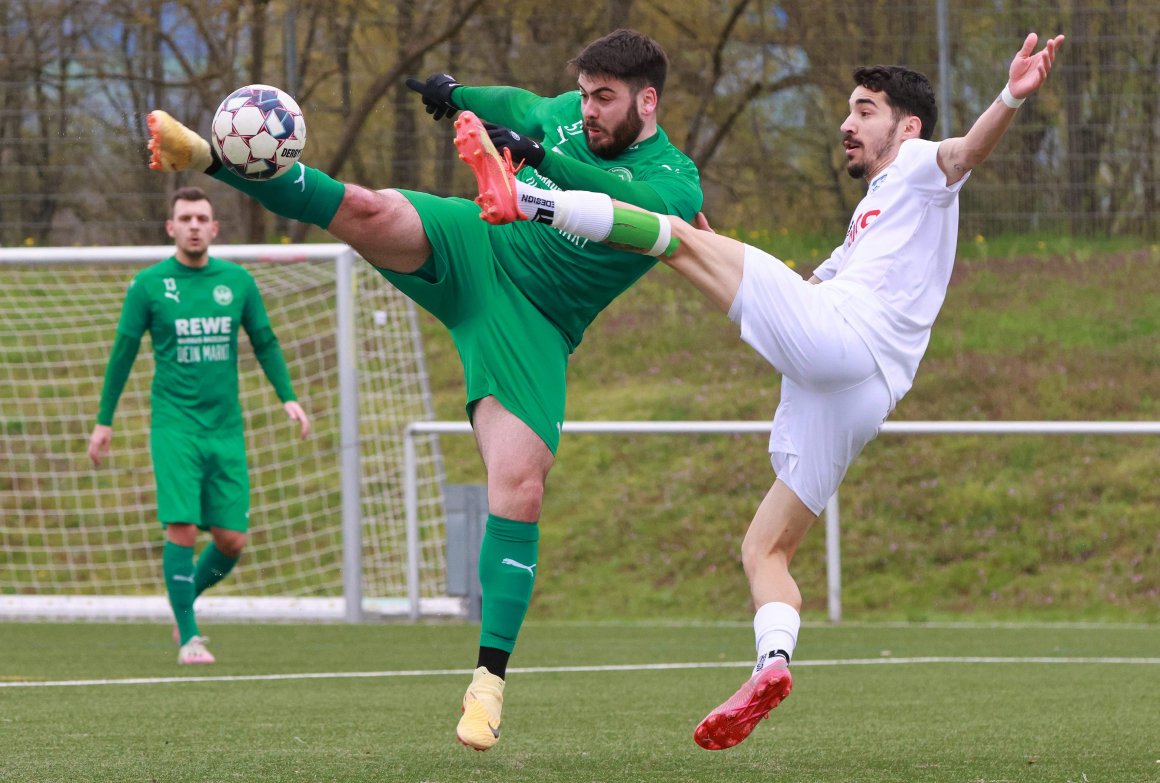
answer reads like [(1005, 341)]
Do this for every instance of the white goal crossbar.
[(832, 514)]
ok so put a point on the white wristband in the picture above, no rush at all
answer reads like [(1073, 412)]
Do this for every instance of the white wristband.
[(1010, 99)]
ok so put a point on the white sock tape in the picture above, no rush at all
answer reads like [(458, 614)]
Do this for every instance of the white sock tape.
[(583, 213), (664, 236)]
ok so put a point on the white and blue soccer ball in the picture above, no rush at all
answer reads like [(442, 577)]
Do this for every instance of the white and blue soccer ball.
[(258, 132)]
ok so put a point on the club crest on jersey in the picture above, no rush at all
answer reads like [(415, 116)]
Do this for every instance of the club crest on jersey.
[(621, 172), (223, 295)]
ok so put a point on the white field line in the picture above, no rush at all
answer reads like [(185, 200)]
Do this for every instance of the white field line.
[(628, 667), (1071, 625)]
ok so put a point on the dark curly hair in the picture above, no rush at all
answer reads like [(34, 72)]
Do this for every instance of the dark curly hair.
[(632, 57), (907, 92)]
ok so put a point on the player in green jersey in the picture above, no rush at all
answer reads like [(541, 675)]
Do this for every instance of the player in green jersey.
[(516, 298), (847, 341), (192, 305)]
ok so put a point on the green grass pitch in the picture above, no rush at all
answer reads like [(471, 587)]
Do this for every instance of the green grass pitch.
[(586, 703)]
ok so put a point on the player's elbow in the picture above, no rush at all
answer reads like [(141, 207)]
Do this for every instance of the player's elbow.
[(971, 156), (264, 340)]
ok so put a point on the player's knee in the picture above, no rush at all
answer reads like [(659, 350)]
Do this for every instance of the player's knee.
[(529, 494), (181, 533), (364, 202), (364, 206), (230, 542), (517, 497), (383, 227), (750, 558), (760, 553)]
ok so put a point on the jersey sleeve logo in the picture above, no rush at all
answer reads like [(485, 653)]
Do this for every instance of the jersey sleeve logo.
[(223, 295)]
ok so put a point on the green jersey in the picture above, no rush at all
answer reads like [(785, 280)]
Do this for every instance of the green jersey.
[(193, 316), (568, 278)]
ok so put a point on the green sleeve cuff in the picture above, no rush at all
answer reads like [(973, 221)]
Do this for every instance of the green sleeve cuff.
[(121, 358)]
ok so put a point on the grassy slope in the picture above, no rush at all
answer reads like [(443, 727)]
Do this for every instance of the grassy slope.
[(1035, 526)]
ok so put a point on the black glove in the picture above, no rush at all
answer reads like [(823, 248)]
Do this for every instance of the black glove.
[(523, 150), (436, 92)]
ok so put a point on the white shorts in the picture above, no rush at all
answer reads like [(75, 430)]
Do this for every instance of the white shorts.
[(834, 398)]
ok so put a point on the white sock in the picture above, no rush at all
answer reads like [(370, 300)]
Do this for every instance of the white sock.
[(578, 212), (776, 627)]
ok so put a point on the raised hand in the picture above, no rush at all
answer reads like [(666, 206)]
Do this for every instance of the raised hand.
[(436, 92), (1029, 71)]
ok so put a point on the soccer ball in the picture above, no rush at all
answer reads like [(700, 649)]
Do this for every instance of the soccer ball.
[(258, 132)]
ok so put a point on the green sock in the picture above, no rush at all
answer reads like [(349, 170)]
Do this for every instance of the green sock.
[(177, 565), (507, 572), (212, 567), (302, 193), (639, 229)]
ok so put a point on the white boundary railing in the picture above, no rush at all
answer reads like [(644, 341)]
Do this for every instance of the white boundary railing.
[(832, 515)]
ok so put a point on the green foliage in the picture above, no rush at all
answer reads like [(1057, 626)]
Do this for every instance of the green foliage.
[(988, 526), (755, 94)]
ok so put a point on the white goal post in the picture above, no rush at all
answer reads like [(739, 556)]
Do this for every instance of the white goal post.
[(327, 538)]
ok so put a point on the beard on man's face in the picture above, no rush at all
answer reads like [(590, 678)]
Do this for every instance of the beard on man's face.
[(620, 138), (859, 170), (855, 170)]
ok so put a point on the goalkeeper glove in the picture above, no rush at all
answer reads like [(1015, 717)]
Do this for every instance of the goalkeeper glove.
[(436, 92), (523, 150)]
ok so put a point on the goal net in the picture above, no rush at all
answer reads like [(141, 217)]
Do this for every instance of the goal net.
[(328, 534)]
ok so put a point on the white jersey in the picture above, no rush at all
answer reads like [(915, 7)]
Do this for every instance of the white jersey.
[(892, 271)]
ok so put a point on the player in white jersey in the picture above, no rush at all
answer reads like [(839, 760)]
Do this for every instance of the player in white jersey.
[(848, 341)]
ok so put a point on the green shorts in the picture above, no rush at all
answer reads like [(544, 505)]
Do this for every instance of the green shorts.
[(509, 350), (201, 479)]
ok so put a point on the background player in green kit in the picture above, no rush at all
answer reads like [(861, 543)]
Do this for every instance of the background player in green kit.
[(516, 298), (192, 305)]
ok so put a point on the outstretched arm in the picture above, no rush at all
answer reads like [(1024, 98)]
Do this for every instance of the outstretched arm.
[(577, 175), (508, 113), (1028, 72), (510, 106), (443, 96)]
